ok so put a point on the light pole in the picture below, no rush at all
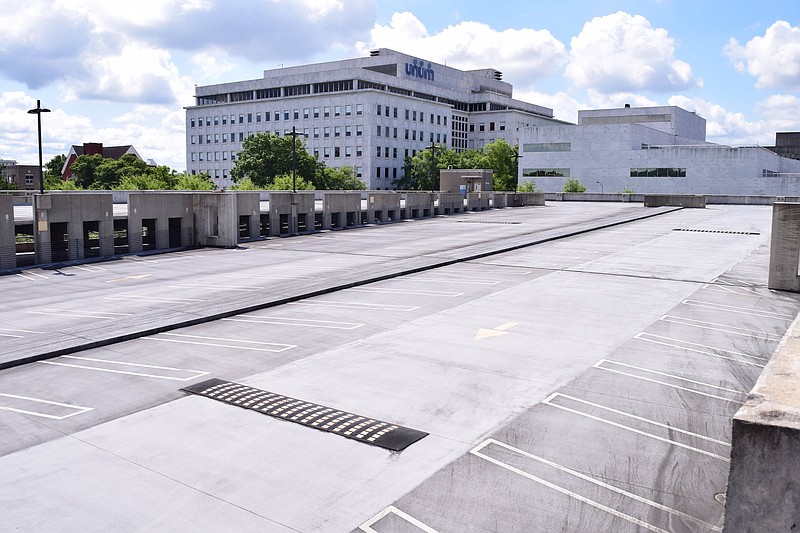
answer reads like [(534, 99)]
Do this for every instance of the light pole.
[(294, 135), (601, 187), (38, 112)]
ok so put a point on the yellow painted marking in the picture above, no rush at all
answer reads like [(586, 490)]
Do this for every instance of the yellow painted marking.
[(484, 333)]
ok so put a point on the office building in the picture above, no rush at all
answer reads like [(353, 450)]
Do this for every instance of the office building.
[(367, 113)]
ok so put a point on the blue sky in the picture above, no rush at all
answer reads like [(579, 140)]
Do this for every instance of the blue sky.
[(121, 72)]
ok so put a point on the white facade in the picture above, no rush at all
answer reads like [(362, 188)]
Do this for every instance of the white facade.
[(367, 113), (650, 150)]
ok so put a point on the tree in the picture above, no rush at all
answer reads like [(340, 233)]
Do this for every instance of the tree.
[(84, 169), (5, 183), (194, 182), (284, 183), (501, 157), (340, 179), (265, 156), (422, 172), (573, 185), (52, 172), (528, 186)]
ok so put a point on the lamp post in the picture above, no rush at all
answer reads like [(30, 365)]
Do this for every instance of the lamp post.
[(601, 187), (294, 133), (38, 112)]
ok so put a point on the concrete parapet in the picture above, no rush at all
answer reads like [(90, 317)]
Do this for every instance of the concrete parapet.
[(784, 252), (383, 207), (499, 200), (159, 220), (763, 487), (675, 200), (8, 246), (216, 216), (248, 209), (450, 203), (529, 198), (341, 209), (291, 213), (478, 201), (72, 227), (420, 204)]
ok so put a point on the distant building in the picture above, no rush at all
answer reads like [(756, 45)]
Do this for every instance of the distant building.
[(112, 152), (650, 150), (368, 113), (787, 144), (26, 177), (464, 181)]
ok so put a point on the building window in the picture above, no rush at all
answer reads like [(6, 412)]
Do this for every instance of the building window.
[(326, 131), (658, 172), (316, 112), (296, 114), (545, 172), (193, 122), (348, 151), (348, 130), (258, 117), (359, 109), (378, 151), (326, 111), (386, 151), (359, 130), (348, 110), (337, 131), (337, 110), (336, 151), (241, 119), (326, 151), (547, 147), (285, 114), (224, 120), (378, 130), (379, 109), (305, 112), (277, 115), (266, 116), (194, 139), (359, 152), (316, 133)]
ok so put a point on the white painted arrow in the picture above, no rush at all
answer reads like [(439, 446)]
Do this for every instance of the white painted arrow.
[(484, 333)]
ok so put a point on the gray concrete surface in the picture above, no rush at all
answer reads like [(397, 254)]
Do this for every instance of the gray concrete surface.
[(585, 383)]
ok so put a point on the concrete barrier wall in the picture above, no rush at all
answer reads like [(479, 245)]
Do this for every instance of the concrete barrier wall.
[(498, 200), (341, 209), (8, 247), (529, 198), (217, 220), (676, 200), (59, 225), (383, 207), (478, 201), (764, 481), (295, 208), (450, 203), (420, 204), (784, 252), (248, 208), (161, 207)]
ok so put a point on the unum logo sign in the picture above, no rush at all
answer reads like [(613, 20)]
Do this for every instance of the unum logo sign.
[(420, 70)]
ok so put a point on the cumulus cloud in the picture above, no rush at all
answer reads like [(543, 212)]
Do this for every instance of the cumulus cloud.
[(523, 55), (564, 106), (727, 127), (623, 52), (774, 58)]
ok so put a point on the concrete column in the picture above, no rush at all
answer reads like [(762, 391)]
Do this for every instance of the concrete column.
[(41, 228), (8, 246), (784, 252)]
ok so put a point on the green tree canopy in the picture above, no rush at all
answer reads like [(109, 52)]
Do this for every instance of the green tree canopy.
[(52, 172), (265, 156), (339, 179), (284, 183)]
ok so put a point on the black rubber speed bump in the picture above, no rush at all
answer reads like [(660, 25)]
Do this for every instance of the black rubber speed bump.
[(359, 428)]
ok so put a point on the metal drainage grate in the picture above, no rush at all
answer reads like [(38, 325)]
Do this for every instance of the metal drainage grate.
[(718, 231), (484, 222), (360, 428)]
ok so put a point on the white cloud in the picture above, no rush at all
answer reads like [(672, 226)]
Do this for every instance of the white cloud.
[(522, 55), (727, 127), (622, 52), (619, 99), (782, 111), (564, 106), (211, 66), (774, 58)]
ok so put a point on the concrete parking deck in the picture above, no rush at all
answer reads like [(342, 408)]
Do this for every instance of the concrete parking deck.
[(584, 383)]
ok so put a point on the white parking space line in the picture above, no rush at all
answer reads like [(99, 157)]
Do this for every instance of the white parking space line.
[(723, 328), (9, 399), (302, 322), (367, 526), (740, 310), (190, 374), (257, 346), (379, 290), (358, 305), (506, 269), (459, 281), (32, 276), (219, 287), (547, 401), (695, 347), (668, 427), (265, 276), (478, 452), (739, 291), (90, 268), (104, 315), (153, 299), (599, 366)]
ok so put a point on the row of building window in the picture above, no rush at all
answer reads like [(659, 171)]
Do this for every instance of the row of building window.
[(546, 147), (325, 151), (325, 132), (634, 172), (249, 118)]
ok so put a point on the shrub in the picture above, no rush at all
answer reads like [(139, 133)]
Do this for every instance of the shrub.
[(573, 185)]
